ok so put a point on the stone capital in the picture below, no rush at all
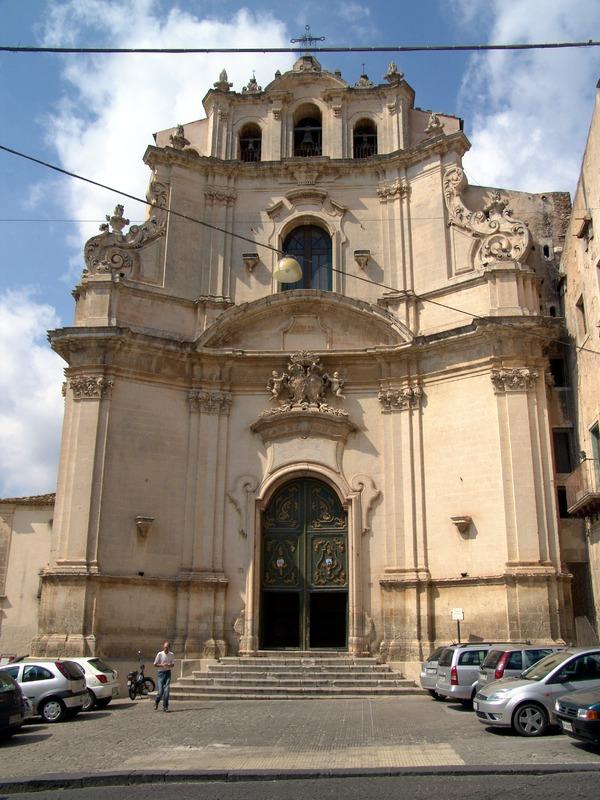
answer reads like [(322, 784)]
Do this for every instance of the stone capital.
[(90, 387), (210, 401), (514, 379), (399, 399)]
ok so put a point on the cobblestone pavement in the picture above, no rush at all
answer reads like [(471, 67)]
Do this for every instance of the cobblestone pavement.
[(284, 734)]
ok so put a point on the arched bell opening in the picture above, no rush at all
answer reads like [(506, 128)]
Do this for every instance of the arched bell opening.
[(364, 139), (304, 568), (308, 131), (250, 143)]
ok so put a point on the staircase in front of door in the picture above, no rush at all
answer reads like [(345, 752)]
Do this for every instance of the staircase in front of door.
[(281, 676)]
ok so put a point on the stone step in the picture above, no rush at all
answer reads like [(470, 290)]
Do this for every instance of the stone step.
[(293, 669), (284, 692), (206, 680), (288, 660)]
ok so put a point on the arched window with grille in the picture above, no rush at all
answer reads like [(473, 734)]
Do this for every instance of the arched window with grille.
[(311, 246), (250, 142), (364, 139), (308, 131)]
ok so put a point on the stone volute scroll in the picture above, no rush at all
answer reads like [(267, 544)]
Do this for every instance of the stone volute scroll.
[(116, 252), (369, 496), (240, 498), (501, 238)]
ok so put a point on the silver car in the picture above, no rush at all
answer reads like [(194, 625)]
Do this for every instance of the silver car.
[(509, 661), (429, 670), (55, 687), (526, 704), (458, 671)]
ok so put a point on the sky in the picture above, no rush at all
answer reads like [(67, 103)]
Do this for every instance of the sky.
[(526, 115)]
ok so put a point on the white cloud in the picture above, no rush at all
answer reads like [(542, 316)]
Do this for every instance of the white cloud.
[(113, 103), (527, 113), (30, 398)]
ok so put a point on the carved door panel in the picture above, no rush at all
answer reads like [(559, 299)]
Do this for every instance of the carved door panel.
[(304, 569)]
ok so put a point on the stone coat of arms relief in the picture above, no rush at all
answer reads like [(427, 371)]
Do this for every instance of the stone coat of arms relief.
[(304, 385)]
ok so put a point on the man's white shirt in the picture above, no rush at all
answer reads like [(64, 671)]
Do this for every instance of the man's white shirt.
[(164, 661)]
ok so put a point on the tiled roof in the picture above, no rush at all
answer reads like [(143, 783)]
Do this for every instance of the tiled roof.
[(32, 500)]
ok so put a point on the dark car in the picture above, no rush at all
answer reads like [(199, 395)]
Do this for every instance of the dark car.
[(578, 714), (12, 707)]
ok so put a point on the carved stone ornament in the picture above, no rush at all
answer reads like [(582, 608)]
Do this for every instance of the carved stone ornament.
[(223, 85), (252, 86), (392, 76), (91, 387), (369, 496), (363, 82), (502, 238), (143, 525), (178, 140), (517, 379), (304, 385), (220, 196), (210, 401), (114, 251), (434, 126), (240, 498), (396, 188), (399, 399)]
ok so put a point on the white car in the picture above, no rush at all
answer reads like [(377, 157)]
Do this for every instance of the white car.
[(100, 680)]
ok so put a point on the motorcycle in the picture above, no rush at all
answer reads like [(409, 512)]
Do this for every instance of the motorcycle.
[(138, 683)]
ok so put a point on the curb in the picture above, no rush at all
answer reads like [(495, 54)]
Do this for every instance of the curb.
[(138, 777)]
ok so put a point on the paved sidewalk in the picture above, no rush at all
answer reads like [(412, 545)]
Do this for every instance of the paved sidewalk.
[(280, 735)]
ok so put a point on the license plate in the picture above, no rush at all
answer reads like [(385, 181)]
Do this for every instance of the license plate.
[(14, 719), (475, 705), (431, 670), (483, 676), (566, 726)]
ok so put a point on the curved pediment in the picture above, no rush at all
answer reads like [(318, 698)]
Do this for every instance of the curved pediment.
[(305, 319)]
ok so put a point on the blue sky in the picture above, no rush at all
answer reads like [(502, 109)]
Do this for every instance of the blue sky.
[(526, 114)]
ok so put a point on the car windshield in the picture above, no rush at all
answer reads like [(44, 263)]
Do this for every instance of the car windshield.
[(544, 667)]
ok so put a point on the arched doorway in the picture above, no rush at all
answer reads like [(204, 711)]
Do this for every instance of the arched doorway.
[(311, 245), (304, 568)]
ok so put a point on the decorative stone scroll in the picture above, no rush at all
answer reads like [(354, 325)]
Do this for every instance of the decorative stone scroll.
[(240, 498), (399, 399), (114, 251), (517, 379), (91, 387), (304, 385), (210, 401), (388, 191), (369, 496), (502, 238)]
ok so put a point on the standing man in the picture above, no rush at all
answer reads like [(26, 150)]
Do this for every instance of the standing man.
[(164, 663)]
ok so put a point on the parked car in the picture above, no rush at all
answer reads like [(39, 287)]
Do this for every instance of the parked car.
[(527, 703), (578, 714), (458, 670), (55, 687), (100, 680), (509, 661), (429, 670), (12, 706)]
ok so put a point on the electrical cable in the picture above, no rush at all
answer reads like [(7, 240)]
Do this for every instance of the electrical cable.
[(425, 48), (189, 218)]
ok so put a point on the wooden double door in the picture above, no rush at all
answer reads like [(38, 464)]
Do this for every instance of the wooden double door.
[(304, 569)]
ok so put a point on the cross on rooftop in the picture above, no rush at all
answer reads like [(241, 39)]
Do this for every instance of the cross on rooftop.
[(307, 38)]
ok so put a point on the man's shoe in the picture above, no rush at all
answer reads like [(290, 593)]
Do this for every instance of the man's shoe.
[(166, 710), (156, 706)]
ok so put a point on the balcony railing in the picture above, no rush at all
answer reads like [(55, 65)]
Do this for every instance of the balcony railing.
[(583, 489)]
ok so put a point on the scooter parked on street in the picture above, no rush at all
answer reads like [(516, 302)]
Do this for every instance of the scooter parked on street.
[(138, 683)]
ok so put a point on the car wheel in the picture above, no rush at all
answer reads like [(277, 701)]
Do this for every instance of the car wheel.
[(434, 694), (530, 719), (89, 701), (149, 685), (103, 702), (53, 710)]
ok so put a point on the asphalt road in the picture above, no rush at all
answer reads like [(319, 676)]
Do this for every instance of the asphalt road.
[(488, 787)]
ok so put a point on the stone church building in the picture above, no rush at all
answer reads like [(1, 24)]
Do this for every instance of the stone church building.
[(334, 463)]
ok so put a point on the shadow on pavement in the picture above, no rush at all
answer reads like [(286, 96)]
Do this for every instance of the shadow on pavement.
[(24, 736)]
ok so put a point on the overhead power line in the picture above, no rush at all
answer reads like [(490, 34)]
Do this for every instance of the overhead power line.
[(420, 48), (168, 210)]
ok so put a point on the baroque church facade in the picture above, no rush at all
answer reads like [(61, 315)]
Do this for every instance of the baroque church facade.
[(335, 463)]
